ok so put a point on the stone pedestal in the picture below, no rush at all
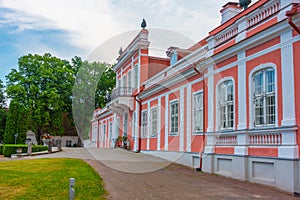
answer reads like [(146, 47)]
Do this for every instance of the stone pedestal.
[(29, 150)]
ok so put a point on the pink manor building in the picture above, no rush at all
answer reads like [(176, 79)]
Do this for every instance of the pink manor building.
[(229, 105)]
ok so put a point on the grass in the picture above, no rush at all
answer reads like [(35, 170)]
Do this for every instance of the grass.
[(49, 179)]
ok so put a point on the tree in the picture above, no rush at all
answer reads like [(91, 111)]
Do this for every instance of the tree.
[(93, 83), (105, 86), (3, 112), (43, 85), (3, 116), (12, 123)]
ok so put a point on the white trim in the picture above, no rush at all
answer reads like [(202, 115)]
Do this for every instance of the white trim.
[(188, 119), (287, 74), (210, 96), (148, 117), (181, 120), (158, 123), (242, 99), (166, 122), (250, 89), (217, 117)]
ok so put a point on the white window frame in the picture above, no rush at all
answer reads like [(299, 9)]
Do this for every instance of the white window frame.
[(218, 114), (136, 76), (134, 124), (104, 132), (144, 123), (225, 104), (110, 130), (198, 110), (129, 79), (154, 121), (251, 102), (174, 116)]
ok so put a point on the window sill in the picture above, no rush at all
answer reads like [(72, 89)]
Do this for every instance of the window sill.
[(173, 134), (200, 132)]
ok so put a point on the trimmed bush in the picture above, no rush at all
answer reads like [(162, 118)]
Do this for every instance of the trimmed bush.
[(10, 149), (1, 149)]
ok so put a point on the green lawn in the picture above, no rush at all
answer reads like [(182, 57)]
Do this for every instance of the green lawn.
[(49, 179)]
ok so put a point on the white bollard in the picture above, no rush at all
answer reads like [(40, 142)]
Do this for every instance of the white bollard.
[(71, 189)]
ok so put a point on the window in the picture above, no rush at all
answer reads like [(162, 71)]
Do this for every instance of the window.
[(264, 97), (134, 125), (198, 112), (136, 76), (68, 143), (173, 58), (153, 122), (124, 81), (104, 132), (226, 105), (129, 79), (110, 130), (144, 123), (174, 117), (125, 124)]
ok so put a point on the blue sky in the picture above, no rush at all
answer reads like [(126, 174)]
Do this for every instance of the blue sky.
[(67, 28)]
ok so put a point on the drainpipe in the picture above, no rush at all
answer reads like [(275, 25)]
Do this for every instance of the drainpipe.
[(139, 124), (203, 138), (139, 118), (295, 10)]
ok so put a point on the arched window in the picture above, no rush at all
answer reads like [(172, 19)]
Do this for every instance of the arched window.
[(264, 97), (226, 105)]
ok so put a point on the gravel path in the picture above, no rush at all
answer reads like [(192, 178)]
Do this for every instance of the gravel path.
[(163, 180)]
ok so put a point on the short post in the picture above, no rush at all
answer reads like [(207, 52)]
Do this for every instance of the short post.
[(59, 144), (50, 146), (29, 150), (71, 189)]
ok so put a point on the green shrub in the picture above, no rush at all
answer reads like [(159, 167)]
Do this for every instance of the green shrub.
[(9, 149), (1, 149), (12, 149), (38, 148)]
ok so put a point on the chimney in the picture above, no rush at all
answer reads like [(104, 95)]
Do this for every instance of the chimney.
[(230, 10)]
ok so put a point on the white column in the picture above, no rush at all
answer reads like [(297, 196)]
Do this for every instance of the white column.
[(158, 123), (149, 126), (166, 122), (188, 119), (181, 120), (287, 70), (242, 102), (211, 99), (136, 137)]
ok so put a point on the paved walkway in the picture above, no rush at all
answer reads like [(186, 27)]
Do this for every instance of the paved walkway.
[(163, 180)]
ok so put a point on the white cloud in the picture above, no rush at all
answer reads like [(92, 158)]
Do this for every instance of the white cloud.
[(89, 23)]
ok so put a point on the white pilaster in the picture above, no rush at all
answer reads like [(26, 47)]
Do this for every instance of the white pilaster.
[(181, 120), (243, 141), (188, 119), (166, 122), (137, 134), (242, 111), (287, 70), (211, 99), (288, 147), (149, 125), (158, 124)]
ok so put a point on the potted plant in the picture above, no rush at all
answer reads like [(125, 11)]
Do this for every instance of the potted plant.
[(125, 141), (118, 142)]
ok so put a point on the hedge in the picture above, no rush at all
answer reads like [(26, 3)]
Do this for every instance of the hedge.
[(9, 149), (1, 149)]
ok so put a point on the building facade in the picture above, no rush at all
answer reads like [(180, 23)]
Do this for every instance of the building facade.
[(228, 105)]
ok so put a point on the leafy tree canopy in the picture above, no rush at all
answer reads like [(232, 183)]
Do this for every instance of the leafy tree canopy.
[(43, 85)]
